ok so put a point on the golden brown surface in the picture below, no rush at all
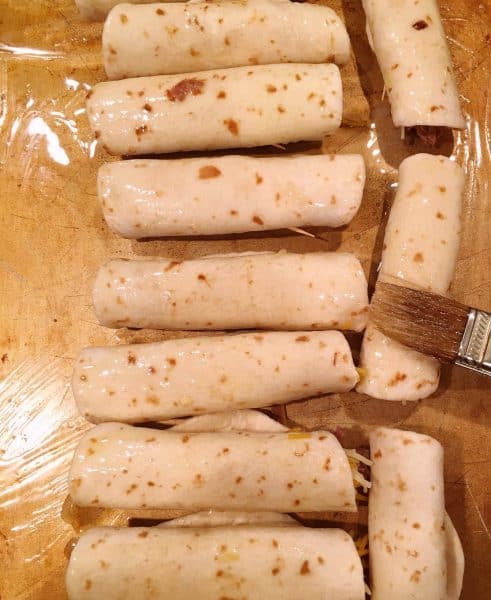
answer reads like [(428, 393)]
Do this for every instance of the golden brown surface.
[(53, 239)]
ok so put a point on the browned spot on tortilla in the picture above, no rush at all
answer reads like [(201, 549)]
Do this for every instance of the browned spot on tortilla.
[(327, 464), (184, 88), (226, 41), (257, 220), (152, 400), (234, 213), (143, 534), (416, 576), (88, 584), (418, 257), (131, 358), (304, 569), (442, 189), (221, 94), (232, 126), (123, 18), (202, 277), (89, 94), (151, 483), (435, 107), (160, 12), (259, 179), (398, 377), (416, 526), (141, 130), (275, 571), (172, 265), (147, 107), (271, 88), (302, 338), (377, 454), (209, 172), (401, 484), (280, 109), (172, 362), (320, 560)]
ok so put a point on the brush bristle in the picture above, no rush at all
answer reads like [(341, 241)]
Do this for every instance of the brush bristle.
[(426, 322)]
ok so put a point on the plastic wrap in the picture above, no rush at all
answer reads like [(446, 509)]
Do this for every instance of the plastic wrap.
[(54, 239)]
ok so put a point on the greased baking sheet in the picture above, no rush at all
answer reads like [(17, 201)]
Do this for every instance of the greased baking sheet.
[(53, 239)]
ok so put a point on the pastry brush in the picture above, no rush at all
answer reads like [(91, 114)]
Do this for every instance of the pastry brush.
[(434, 325)]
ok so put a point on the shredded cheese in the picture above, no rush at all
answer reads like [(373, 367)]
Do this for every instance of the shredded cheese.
[(301, 231), (362, 373), (359, 457), (299, 435), (362, 545), (354, 459)]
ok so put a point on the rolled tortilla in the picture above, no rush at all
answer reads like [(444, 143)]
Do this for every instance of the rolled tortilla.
[(162, 39), (406, 525), (121, 466), (213, 518), (229, 194), (421, 245), (225, 108), (287, 563), (176, 378), (97, 10), (230, 420), (409, 42), (323, 290), (454, 556)]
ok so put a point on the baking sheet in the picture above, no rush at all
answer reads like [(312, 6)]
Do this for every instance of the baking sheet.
[(53, 239)]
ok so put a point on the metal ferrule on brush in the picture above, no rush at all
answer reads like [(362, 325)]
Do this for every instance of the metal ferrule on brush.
[(475, 347)]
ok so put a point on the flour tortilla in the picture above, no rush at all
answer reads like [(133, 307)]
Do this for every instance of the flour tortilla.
[(421, 244), (229, 194), (411, 553), (314, 291), (161, 39), (97, 10), (240, 107), (274, 562), (213, 518), (410, 45), (177, 378), (120, 466)]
